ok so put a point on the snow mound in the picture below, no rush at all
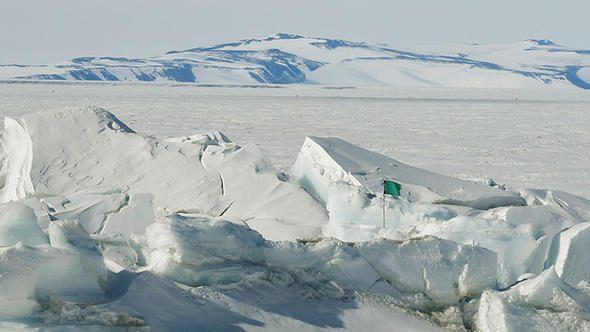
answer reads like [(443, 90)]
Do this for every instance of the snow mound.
[(519, 226), (16, 155), (323, 161), (571, 264), (84, 155), (544, 303), (18, 224), (355, 215), (32, 276), (198, 251), (442, 270), (211, 227)]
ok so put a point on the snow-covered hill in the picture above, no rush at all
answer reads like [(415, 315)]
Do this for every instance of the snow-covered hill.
[(287, 59)]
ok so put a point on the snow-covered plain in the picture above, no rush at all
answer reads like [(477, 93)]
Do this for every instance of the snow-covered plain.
[(157, 219), (540, 140)]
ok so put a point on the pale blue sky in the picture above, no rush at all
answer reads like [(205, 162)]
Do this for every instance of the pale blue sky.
[(39, 31)]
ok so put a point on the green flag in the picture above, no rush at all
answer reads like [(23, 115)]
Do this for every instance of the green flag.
[(391, 188)]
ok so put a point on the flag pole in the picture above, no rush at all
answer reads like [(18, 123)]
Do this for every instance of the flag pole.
[(383, 224)]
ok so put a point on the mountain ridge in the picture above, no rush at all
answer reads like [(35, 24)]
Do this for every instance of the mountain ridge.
[(295, 59)]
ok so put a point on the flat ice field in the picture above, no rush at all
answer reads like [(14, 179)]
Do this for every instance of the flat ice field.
[(187, 207), (540, 140)]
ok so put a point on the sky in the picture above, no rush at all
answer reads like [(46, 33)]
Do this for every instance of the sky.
[(45, 31)]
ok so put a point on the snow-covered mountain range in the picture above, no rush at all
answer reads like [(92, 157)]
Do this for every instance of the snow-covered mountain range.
[(288, 59)]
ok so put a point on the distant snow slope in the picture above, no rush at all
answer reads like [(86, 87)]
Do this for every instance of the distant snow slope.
[(287, 59)]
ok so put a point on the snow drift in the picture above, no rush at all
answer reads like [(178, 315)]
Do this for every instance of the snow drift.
[(85, 157), (211, 227), (323, 161)]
